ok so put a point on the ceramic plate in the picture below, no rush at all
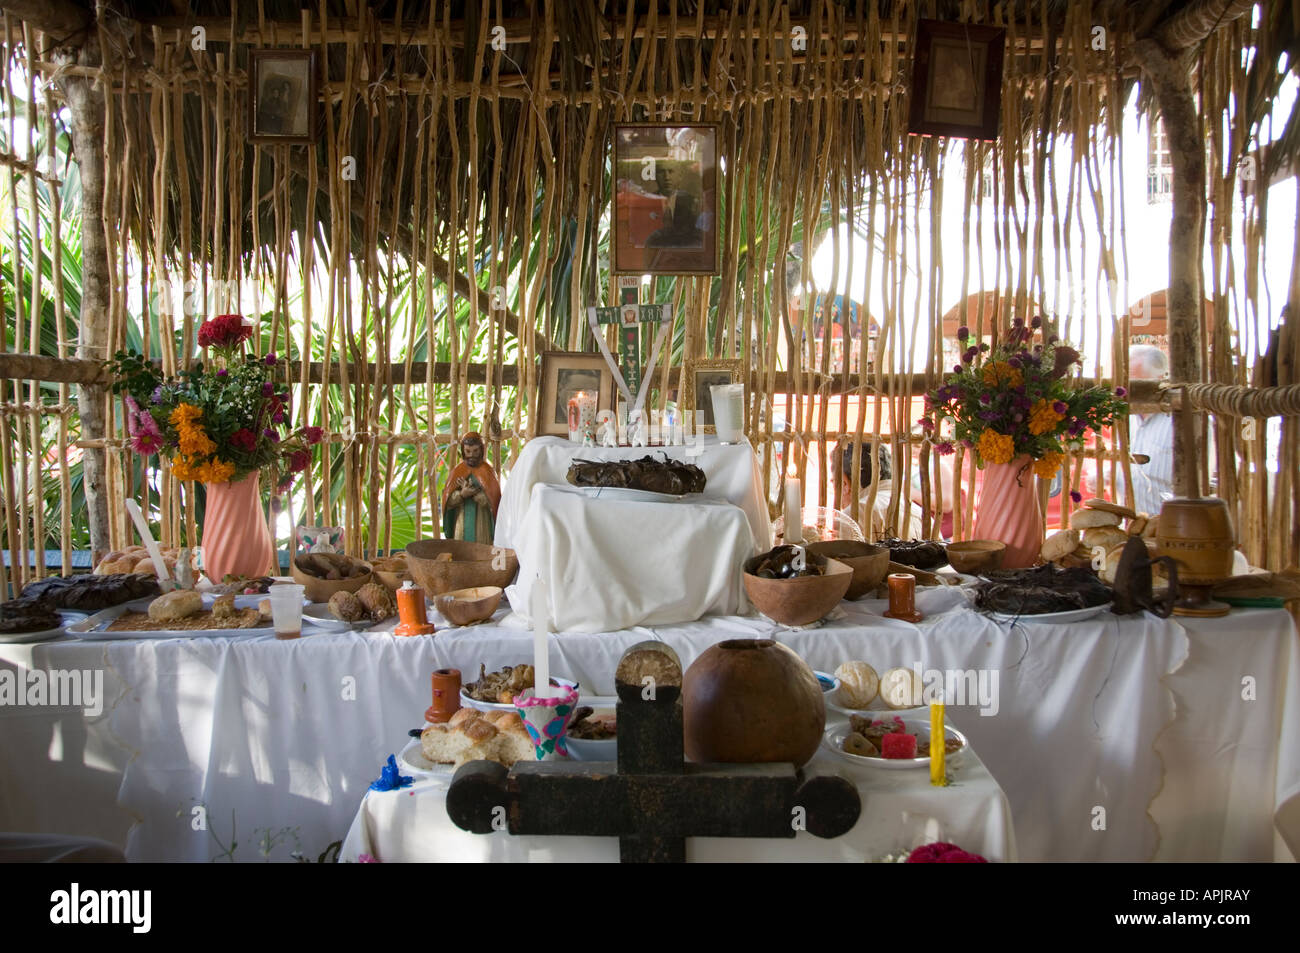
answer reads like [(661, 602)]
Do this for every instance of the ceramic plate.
[(413, 761), (1050, 618), (904, 713), (318, 616), (95, 628), (643, 496), (15, 638), (467, 702), (835, 735)]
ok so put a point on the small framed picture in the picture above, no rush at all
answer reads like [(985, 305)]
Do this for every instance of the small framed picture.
[(665, 199), (282, 104), (563, 374), (956, 80), (698, 377)]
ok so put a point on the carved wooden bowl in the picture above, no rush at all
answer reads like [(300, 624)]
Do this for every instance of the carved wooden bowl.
[(464, 566), (869, 562)]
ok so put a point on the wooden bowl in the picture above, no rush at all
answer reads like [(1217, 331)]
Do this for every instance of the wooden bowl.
[(467, 606), (974, 556), (392, 578), (317, 589), (470, 566), (869, 562), (801, 600)]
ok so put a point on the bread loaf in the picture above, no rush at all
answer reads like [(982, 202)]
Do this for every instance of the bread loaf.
[(1091, 519), (1107, 537), (1060, 544), (178, 604), (472, 735)]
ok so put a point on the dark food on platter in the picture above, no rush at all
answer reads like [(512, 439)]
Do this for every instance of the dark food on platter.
[(1041, 590), (586, 728), (672, 477), (918, 553), (87, 593), (16, 618), (778, 563)]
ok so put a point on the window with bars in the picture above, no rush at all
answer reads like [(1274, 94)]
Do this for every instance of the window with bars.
[(1160, 168)]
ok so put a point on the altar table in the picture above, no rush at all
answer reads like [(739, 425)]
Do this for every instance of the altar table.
[(731, 471), (1121, 739), (612, 563), (900, 810)]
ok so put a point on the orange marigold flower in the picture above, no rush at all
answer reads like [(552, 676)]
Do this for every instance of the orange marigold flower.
[(183, 415), (1043, 418), (1001, 374), (194, 441), (996, 447), (1046, 467)]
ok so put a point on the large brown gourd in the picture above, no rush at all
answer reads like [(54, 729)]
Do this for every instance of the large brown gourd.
[(752, 700)]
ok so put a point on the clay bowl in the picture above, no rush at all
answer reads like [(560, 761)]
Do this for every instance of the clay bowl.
[(470, 565), (975, 556), (320, 590), (467, 606), (869, 562), (801, 600)]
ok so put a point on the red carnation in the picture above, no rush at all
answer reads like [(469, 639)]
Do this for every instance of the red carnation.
[(313, 434), (244, 439), (299, 460), (224, 332)]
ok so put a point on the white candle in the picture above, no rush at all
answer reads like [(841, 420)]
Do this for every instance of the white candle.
[(164, 577), (541, 650), (793, 511)]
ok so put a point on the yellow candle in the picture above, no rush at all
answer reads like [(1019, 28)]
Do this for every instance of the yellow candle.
[(937, 776)]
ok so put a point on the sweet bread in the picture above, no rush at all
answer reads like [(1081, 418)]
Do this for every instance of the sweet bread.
[(176, 605)]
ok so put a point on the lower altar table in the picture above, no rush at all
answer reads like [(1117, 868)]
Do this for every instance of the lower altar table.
[(274, 743)]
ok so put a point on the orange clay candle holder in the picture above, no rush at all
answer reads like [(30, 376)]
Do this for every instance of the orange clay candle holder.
[(411, 612), (902, 597), (446, 696)]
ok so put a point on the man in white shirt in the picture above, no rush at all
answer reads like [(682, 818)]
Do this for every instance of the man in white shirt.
[(1151, 435)]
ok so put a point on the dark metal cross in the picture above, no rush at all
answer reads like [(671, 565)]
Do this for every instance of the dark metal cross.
[(651, 800)]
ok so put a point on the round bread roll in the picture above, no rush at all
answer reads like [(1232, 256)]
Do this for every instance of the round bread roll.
[(178, 604), (901, 688), (110, 559), (1107, 537), (1137, 526), (859, 684), (1091, 519), (1060, 544), (1106, 506), (1107, 571)]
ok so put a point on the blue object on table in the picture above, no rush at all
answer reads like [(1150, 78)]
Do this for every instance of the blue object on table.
[(390, 779)]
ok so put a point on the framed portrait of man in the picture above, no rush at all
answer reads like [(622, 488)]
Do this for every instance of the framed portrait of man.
[(563, 374), (665, 199), (283, 91)]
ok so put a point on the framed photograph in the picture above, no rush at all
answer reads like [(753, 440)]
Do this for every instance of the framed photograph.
[(700, 375), (282, 98), (957, 80), (665, 199), (563, 374)]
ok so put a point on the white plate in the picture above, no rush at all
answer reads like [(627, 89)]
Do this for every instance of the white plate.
[(412, 761), (1049, 618), (317, 614), (15, 638), (467, 702), (904, 713), (643, 496), (94, 629), (835, 735)]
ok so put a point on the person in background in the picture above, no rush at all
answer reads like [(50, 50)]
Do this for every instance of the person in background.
[(1151, 435), (884, 490)]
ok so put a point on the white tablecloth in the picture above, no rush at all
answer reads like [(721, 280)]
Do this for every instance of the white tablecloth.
[(731, 471), (612, 563), (900, 810), (280, 740)]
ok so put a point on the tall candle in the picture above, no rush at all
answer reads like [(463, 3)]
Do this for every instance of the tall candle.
[(155, 554), (540, 612), (793, 510), (937, 775)]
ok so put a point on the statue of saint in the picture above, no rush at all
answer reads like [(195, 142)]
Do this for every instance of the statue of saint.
[(472, 495)]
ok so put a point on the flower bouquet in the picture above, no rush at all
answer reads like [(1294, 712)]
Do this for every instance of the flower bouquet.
[(218, 424), (1014, 406)]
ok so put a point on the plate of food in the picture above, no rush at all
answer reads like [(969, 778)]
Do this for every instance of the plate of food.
[(1044, 594), (30, 623), (1047, 618), (890, 742), (495, 691), (175, 615), (861, 690), (411, 759), (593, 734), (318, 615), (473, 735)]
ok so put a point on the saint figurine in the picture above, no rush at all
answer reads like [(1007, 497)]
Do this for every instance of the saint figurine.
[(472, 495)]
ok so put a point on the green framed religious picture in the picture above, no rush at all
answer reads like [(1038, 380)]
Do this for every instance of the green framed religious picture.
[(665, 199)]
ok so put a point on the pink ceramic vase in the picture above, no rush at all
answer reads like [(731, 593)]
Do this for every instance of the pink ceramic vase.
[(1008, 511), (236, 540)]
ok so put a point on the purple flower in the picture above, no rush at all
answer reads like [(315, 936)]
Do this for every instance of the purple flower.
[(1037, 322), (1076, 496), (986, 399), (926, 424), (277, 417), (1060, 407), (956, 369), (268, 389), (1053, 339), (1121, 392), (969, 354), (989, 415), (1017, 322), (963, 333), (1022, 402), (1014, 360), (270, 359), (1076, 427), (157, 394), (271, 435), (221, 373), (944, 448)]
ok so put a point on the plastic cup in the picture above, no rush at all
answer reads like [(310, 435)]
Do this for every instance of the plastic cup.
[(729, 411), (286, 609)]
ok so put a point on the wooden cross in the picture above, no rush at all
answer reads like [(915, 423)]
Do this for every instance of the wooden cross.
[(629, 315), (651, 799)]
